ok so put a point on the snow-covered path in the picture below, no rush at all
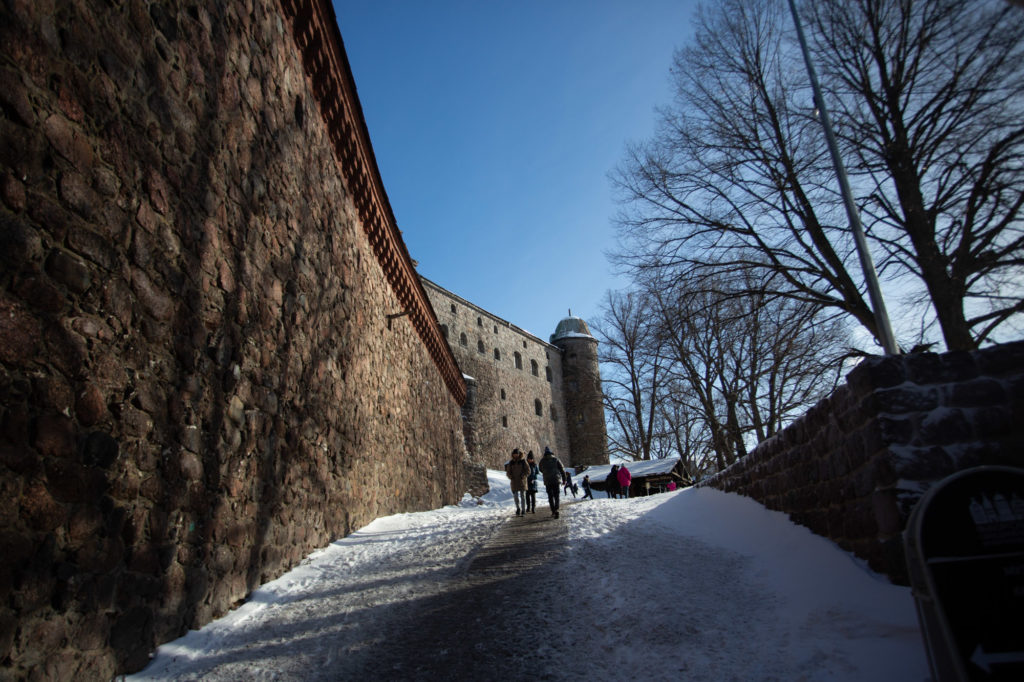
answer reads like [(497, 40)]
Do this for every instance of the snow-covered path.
[(695, 584)]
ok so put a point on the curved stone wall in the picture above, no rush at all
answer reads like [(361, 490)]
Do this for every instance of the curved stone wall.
[(200, 380)]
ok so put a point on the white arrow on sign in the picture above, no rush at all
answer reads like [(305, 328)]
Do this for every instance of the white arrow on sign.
[(986, 660)]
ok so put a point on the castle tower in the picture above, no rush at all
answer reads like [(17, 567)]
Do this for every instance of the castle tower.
[(584, 404)]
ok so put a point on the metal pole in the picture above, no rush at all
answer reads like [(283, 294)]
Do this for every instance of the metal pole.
[(871, 278)]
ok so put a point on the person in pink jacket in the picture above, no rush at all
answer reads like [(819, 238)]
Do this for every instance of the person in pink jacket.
[(625, 478)]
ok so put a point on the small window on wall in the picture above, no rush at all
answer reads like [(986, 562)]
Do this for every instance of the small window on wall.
[(462, 340), (538, 407), (497, 354), (519, 360), (444, 331), (579, 417), (480, 346), (495, 329), (453, 307), (479, 322), (502, 394), (504, 422), (524, 344), (554, 414), (547, 373), (534, 367)]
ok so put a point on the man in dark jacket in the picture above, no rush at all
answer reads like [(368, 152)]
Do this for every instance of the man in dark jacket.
[(553, 473)]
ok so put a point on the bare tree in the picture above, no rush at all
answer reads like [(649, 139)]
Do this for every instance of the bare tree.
[(929, 99), (737, 179), (744, 366), (633, 376), (684, 431)]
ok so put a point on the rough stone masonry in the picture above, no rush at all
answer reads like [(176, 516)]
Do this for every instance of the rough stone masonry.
[(198, 381)]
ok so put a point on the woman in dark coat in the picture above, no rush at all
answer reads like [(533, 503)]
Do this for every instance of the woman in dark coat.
[(531, 483), (611, 484)]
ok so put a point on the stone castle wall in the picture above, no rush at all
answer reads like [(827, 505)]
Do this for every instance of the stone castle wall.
[(199, 380), (853, 467), (507, 394)]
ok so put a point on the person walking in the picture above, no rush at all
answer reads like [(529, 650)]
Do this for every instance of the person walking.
[(553, 473), (569, 486), (517, 471), (531, 483), (611, 484), (625, 478), (586, 488)]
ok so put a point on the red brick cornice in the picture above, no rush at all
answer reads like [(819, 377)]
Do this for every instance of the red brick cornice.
[(316, 34)]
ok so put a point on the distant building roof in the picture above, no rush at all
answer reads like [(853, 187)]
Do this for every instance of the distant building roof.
[(653, 467), (571, 327)]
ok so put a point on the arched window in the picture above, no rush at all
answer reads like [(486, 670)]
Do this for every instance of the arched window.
[(534, 368), (497, 354), (480, 345), (518, 360), (504, 422), (524, 344), (538, 407), (502, 394), (462, 340), (479, 322), (495, 329), (453, 307), (547, 372)]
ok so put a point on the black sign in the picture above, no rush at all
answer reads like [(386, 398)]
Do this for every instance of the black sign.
[(965, 552)]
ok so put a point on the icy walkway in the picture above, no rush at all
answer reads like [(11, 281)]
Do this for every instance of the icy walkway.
[(696, 585), (487, 621)]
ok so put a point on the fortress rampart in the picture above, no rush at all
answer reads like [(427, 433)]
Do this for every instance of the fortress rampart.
[(205, 368), (519, 401)]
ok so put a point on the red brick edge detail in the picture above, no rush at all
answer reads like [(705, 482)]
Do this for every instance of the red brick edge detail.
[(318, 38)]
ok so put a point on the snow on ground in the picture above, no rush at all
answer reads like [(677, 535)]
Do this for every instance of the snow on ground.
[(696, 583)]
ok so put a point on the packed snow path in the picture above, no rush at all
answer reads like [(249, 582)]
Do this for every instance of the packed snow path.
[(696, 585)]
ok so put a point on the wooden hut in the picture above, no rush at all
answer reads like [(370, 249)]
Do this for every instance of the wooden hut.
[(649, 477)]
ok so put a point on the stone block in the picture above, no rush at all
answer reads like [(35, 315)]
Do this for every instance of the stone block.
[(945, 426), (1003, 360), (887, 515), (76, 191), (69, 142), (90, 406), (980, 392), (19, 334), (70, 481), (902, 400), (39, 509), (876, 372), (96, 248), (131, 637), (155, 301)]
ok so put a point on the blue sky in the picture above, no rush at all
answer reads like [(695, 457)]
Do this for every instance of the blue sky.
[(495, 125)]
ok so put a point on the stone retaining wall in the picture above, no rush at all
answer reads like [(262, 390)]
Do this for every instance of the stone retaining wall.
[(200, 382), (853, 467)]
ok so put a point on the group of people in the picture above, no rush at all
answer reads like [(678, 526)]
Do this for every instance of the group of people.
[(618, 482), (524, 472)]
